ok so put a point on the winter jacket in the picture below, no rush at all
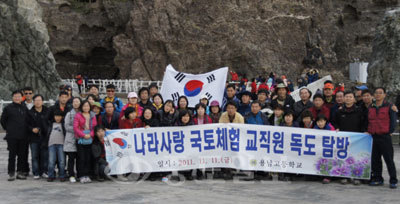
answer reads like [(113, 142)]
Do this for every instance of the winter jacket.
[(13, 120), (70, 140), (38, 120), (113, 124), (79, 125), (257, 119), (225, 118), (350, 119)]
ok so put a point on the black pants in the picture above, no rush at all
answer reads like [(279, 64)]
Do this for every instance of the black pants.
[(17, 149), (85, 160), (382, 146), (71, 163)]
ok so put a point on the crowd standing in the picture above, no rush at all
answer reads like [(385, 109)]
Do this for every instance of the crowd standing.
[(67, 139)]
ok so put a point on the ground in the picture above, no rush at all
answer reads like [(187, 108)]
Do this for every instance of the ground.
[(40, 191)]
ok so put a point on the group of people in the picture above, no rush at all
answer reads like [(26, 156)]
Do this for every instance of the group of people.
[(70, 134)]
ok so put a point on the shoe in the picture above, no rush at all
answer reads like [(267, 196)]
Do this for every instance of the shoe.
[(376, 183), (21, 177), (72, 179), (88, 180), (11, 177), (326, 181), (45, 176), (356, 182), (343, 181), (393, 185), (82, 179), (122, 178), (50, 179), (62, 179), (36, 177)]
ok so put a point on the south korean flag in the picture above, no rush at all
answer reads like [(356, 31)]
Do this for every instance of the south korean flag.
[(194, 86)]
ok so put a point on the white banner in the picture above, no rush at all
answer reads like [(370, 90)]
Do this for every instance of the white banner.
[(211, 84), (240, 146)]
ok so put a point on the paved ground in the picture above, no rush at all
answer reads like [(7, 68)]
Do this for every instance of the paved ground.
[(32, 191)]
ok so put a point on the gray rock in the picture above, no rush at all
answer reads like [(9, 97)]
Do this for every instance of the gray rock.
[(25, 58), (384, 67)]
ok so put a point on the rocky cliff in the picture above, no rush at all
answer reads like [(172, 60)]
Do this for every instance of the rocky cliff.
[(384, 64), (25, 58)]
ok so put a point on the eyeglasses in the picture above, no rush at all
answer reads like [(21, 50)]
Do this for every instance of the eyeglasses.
[(28, 93), (110, 90)]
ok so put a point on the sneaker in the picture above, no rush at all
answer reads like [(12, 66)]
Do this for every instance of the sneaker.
[(45, 176), (88, 180), (122, 178), (21, 177), (72, 179), (376, 183), (82, 179), (36, 177), (11, 177), (356, 182), (393, 185), (343, 181), (326, 181)]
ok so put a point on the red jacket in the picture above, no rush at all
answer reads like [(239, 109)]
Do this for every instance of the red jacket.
[(253, 87), (263, 86), (324, 110), (206, 120), (127, 124)]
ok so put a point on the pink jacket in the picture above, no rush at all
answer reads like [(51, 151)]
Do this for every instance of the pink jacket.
[(138, 112), (79, 125)]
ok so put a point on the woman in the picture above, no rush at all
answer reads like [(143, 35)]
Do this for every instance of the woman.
[(130, 119), (157, 102), (149, 119), (132, 102), (91, 98), (201, 117), (70, 140), (184, 118), (84, 123), (97, 109), (167, 114), (183, 104), (215, 112)]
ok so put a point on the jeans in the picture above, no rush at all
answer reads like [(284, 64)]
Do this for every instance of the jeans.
[(40, 158), (17, 149), (56, 152)]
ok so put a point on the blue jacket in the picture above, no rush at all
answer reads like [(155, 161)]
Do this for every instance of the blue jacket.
[(258, 119), (117, 104)]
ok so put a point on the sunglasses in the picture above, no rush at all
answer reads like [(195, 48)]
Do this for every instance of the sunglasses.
[(110, 90), (28, 93)]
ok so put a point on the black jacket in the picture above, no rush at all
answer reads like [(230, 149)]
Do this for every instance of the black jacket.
[(167, 119), (13, 121), (56, 106), (113, 125), (288, 104), (153, 122), (38, 120), (351, 119)]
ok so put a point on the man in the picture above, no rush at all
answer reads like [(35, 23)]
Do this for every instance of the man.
[(110, 117), (110, 89), (28, 93), (61, 105), (144, 97), (153, 88), (230, 96), (329, 98), (282, 97), (231, 115), (319, 107), (265, 103), (358, 94), (256, 116), (245, 107), (339, 100), (94, 89), (13, 121), (381, 124), (366, 100), (304, 104)]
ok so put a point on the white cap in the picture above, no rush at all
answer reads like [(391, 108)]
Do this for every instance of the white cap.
[(132, 95)]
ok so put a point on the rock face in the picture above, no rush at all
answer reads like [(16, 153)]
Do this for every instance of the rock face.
[(138, 38), (81, 34), (384, 67), (25, 58)]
